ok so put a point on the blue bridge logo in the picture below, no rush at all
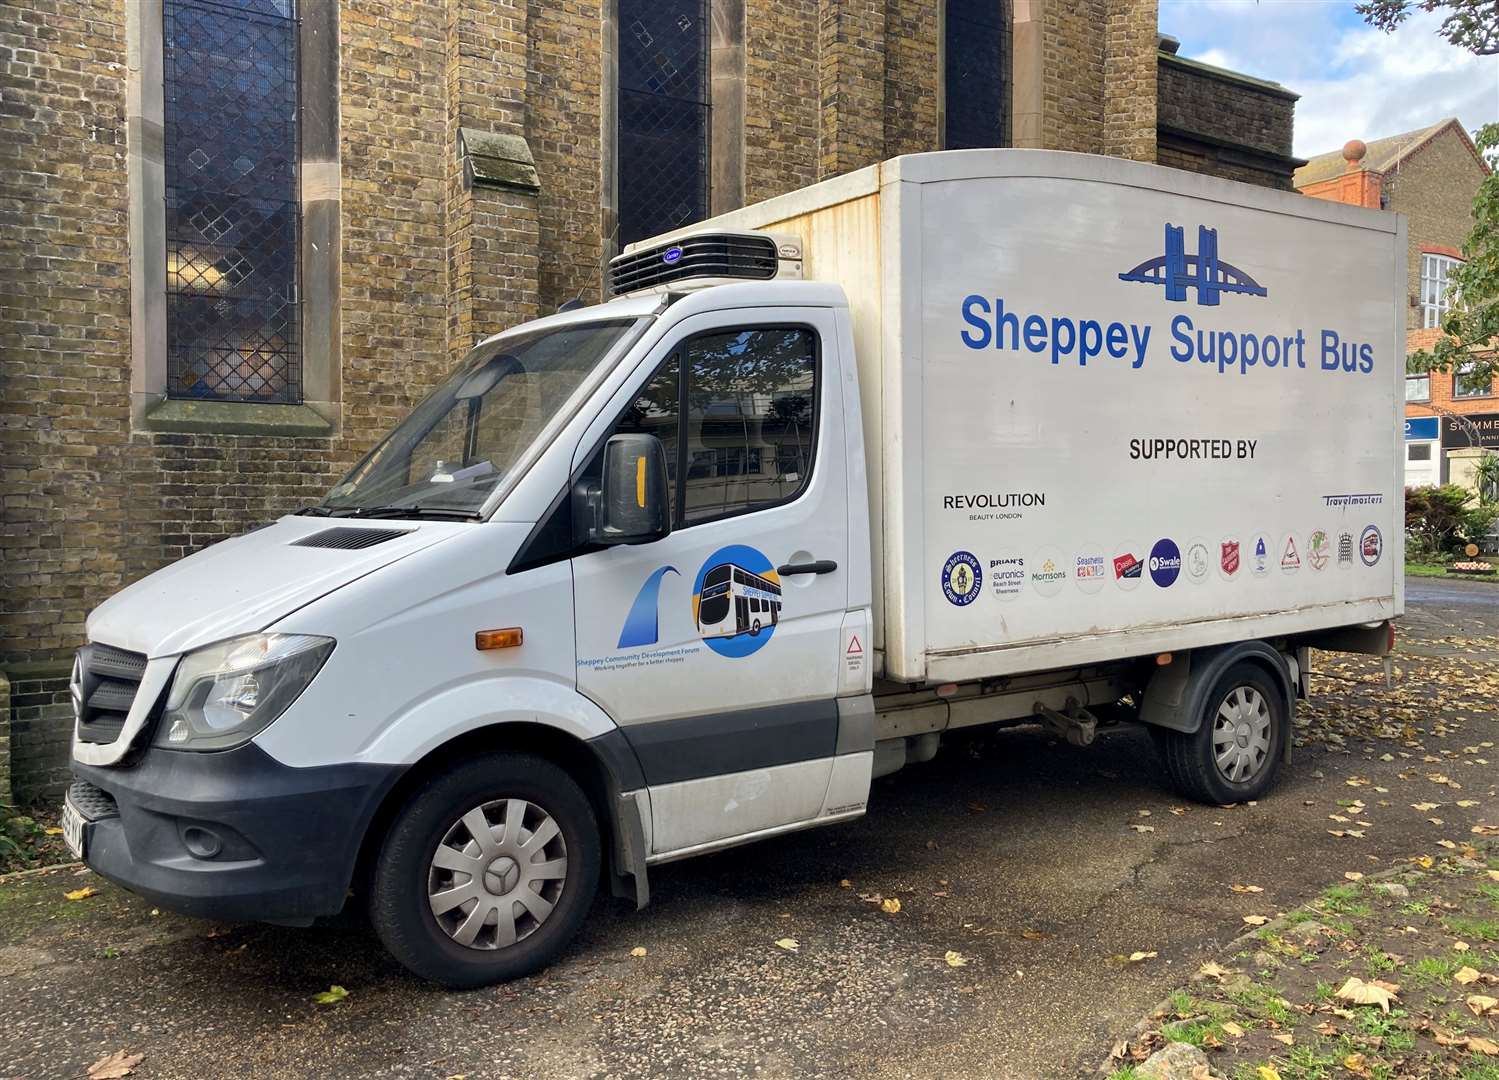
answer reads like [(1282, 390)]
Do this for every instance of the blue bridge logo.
[(1205, 272)]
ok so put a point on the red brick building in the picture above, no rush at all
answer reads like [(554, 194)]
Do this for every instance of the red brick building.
[(1431, 175)]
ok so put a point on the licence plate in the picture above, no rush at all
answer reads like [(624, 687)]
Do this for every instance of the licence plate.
[(72, 828)]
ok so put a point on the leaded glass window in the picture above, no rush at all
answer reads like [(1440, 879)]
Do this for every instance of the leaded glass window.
[(977, 78), (232, 207), (663, 116)]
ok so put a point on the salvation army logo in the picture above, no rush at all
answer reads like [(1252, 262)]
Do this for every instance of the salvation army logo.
[(736, 601), (961, 578), (1370, 545), (1228, 558), (1165, 562)]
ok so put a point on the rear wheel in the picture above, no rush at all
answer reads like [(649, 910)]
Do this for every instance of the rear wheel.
[(488, 872), (1235, 753)]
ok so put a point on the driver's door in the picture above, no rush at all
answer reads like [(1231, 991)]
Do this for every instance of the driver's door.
[(718, 661)]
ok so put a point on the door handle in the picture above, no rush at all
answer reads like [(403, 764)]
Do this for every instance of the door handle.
[(821, 566)]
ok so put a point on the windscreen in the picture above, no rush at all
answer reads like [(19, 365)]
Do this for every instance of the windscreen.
[(461, 442)]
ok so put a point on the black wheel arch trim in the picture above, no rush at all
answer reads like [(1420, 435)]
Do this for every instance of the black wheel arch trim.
[(1176, 694)]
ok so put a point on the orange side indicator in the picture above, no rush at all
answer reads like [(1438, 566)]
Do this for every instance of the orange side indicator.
[(1163, 659), (508, 638)]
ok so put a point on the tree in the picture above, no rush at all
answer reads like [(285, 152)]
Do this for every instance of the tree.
[(1470, 328), (1468, 24)]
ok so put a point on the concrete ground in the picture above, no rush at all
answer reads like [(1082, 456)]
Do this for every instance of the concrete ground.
[(1044, 866)]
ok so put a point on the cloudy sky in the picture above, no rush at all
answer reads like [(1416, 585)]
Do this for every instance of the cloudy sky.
[(1354, 81)]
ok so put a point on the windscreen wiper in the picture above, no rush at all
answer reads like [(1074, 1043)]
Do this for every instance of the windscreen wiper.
[(435, 513), (314, 510)]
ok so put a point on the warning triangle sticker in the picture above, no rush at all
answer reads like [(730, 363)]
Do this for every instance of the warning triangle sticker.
[(854, 648)]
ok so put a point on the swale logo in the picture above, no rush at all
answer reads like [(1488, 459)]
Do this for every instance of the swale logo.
[(1205, 272)]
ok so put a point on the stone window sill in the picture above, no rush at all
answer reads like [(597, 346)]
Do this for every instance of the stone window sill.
[(310, 420)]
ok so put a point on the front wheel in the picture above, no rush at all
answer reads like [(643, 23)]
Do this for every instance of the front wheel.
[(488, 871), (1235, 753)]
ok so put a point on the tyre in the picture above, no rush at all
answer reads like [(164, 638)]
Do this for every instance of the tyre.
[(487, 872), (1235, 753)]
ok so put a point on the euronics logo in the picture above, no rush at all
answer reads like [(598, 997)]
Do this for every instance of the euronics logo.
[(1204, 271)]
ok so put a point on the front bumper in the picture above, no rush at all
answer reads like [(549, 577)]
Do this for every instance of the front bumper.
[(230, 835)]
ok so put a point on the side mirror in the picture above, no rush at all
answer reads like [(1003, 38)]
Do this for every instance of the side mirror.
[(632, 506)]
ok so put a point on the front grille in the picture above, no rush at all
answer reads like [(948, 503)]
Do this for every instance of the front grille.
[(105, 680), (349, 539), (735, 255), (93, 803)]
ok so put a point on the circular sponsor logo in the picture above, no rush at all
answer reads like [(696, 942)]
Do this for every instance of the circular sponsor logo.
[(1370, 545), (1007, 576), (1165, 562), (1230, 558), (736, 601), (1128, 567), (671, 255), (1090, 569), (1318, 550), (1260, 555), (1290, 554), (1197, 562), (961, 578), (1048, 572)]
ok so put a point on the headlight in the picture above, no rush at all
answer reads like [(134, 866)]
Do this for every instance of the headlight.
[(223, 694)]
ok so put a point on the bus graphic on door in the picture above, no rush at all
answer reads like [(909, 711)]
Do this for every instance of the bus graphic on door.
[(737, 601)]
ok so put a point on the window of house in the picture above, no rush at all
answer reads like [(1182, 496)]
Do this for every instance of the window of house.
[(663, 115), (230, 137), (1436, 278), (977, 76), (1466, 384), (1418, 451), (1418, 387)]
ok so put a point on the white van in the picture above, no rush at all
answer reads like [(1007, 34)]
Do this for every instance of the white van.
[(963, 438)]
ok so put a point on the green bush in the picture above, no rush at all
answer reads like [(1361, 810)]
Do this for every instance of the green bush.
[(1436, 518), (1477, 521)]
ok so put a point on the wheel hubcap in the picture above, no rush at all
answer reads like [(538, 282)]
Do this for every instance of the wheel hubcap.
[(497, 874), (1241, 734)]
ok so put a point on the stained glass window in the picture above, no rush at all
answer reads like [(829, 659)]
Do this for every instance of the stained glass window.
[(663, 116), (978, 74), (232, 208)]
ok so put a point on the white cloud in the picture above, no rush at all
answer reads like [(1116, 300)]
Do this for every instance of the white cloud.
[(1354, 81)]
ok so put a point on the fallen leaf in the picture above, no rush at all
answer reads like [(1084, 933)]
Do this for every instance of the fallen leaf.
[(1246, 888), (1478, 1004), (1354, 875), (1494, 875), (1460, 946), (845, 884), (1448, 844), (1465, 803), (955, 959), (1143, 828), (1143, 813), (53, 831), (890, 905), (1425, 862), (1362, 993), (1285, 1037), (1424, 806), (1136, 957), (1233, 1029), (638, 950), (1256, 920), (1485, 830), (1478, 1044), (114, 1066), (790, 944), (1356, 1064), (1436, 821), (1465, 975), (1178, 810), (1032, 935), (331, 996), (1213, 970), (1327, 1027), (1267, 1072), (80, 894)]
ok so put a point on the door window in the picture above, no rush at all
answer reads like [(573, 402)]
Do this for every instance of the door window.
[(749, 421)]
